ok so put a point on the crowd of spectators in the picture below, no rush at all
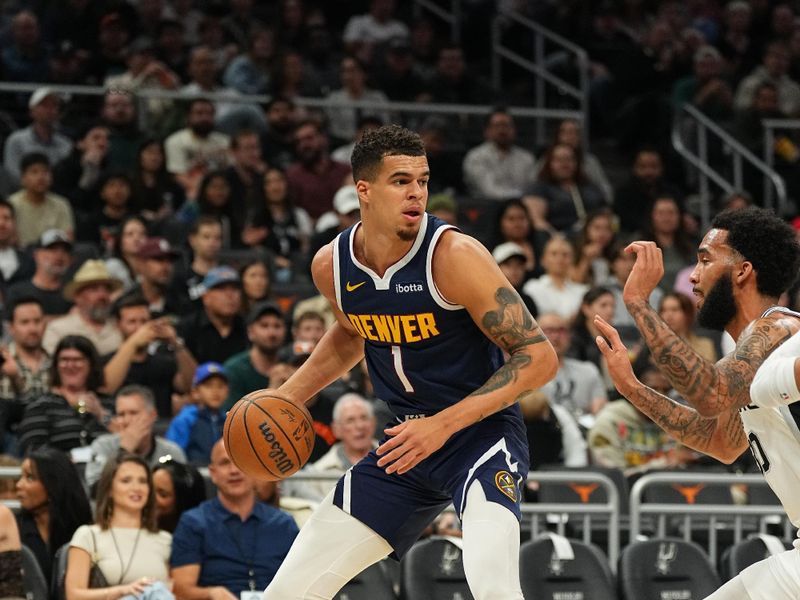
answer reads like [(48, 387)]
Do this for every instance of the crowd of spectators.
[(155, 249)]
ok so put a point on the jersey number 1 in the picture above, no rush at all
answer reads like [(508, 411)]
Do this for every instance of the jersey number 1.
[(398, 367)]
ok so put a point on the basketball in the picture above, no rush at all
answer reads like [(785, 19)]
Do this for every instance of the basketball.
[(268, 437)]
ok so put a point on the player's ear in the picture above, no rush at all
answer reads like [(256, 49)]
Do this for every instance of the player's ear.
[(362, 187), (745, 270)]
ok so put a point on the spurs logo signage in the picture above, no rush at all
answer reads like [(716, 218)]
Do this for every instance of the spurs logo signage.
[(667, 552)]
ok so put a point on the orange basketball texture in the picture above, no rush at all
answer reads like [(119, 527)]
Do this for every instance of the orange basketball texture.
[(268, 437)]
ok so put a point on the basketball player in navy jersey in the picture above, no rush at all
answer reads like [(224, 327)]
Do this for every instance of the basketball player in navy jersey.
[(744, 264), (434, 315)]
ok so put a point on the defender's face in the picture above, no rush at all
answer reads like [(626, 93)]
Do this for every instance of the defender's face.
[(713, 261), (399, 194)]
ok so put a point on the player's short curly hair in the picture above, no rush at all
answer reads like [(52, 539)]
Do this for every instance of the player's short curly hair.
[(766, 241), (389, 140)]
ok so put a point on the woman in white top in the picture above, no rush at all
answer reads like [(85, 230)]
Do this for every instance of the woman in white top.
[(125, 542)]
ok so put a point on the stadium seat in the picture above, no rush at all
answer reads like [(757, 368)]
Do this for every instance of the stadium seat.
[(546, 572), (370, 584), (747, 552), (666, 568), (433, 570), (58, 592), (32, 577)]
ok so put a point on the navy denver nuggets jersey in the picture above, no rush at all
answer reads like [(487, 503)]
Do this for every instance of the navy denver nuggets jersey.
[(423, 353)]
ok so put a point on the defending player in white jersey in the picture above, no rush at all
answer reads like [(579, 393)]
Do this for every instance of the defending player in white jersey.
[(744, 263)]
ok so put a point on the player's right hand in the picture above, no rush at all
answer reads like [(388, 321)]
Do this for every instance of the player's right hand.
[(647, 272), (615, 353)]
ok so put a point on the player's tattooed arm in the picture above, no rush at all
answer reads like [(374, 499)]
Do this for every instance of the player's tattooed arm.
[(711, 388), (511, 326), (721, 437)]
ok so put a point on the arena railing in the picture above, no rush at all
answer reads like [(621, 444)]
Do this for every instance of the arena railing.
[(452, 16), (549, 50), (466, 119), (536, 516), (771, 128), (689, 120), (709, 519)]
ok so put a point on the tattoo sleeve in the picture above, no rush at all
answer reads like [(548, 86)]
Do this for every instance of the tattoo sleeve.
[(710, 388), (721, 437), (512, 328)]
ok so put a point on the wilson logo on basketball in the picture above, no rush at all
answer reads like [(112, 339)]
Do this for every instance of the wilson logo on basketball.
[(277, 453)]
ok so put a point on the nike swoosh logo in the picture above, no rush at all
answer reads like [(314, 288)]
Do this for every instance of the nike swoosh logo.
[(352, 288)]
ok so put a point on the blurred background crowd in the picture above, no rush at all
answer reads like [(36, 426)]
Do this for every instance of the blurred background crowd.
[(157, 226)]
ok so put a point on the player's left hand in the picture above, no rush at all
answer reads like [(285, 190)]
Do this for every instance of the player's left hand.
[(615, 353), (411, 442), (647, 272)]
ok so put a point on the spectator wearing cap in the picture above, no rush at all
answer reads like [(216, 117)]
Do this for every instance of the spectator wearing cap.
[(15, 265), (90, 289), (41, 135), (77, 176), (52, 257), (218, 331), (199, 425), (38, 209), (156, 270), (135, 417), (250, 370), (511, 259), (151, 355), (347, 209), (497, 169), (314, 178)]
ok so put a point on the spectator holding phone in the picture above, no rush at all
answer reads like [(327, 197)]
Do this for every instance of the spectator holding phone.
[(151, 355)]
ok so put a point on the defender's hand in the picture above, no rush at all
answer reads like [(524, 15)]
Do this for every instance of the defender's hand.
[(616, 355), (411, 442), (647, 272)]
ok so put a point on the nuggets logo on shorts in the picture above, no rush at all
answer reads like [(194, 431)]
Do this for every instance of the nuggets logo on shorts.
[(506, 484)]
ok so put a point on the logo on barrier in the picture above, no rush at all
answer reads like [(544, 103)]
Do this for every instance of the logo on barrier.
[(506, 484), (450, 557), (667, 552), (555, 567)]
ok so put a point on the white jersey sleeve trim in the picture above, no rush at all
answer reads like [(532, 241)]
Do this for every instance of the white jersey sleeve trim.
[(337, 283), (774, 383), (434, 291)]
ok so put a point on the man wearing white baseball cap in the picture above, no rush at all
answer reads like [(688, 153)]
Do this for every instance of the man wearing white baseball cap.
[(347, 212), (44, 107), (510, 257)]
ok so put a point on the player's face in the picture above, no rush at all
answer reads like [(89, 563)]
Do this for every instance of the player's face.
[(712, 281), (399, 194)]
